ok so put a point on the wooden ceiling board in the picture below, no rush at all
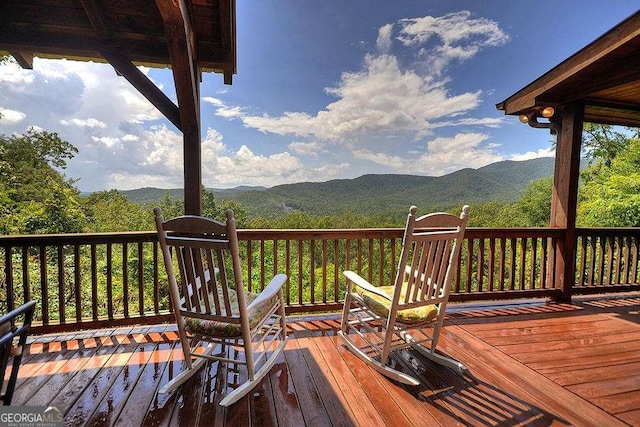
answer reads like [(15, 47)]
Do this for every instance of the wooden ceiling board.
[(80, 29)]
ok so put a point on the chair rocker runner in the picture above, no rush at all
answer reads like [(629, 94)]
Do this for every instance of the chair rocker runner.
[(212, 309), (378, 320)]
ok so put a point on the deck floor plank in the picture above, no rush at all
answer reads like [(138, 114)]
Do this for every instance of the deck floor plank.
[(530, 364), (93, 402), (139, 399), (162, 405), (307, 395)]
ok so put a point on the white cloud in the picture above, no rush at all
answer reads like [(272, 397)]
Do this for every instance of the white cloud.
[(213, 101), (440, 156), (460, 37), (229, 113), (307, 148), (384, 159), (163, 148), (11, 116), (89, 123), (381, 98), (107, 141), (383, 43), (13, 74), (543, 152)]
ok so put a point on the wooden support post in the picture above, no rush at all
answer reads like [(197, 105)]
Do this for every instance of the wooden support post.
[(180, 40), (564, 198)]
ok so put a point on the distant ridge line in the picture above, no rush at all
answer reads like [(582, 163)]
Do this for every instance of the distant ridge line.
[(384, 194)]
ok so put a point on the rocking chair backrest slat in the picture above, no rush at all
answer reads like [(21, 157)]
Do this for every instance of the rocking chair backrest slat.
[(430, 249)]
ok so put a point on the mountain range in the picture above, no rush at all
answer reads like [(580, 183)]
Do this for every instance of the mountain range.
[(386, 195)]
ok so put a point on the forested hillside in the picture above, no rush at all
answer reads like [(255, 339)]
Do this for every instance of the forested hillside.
[(383, 195)]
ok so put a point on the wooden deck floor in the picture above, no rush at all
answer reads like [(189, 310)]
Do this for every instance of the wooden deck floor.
[(531, 364)]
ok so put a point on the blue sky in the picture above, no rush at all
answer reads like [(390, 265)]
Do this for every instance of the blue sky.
[(325, 89)]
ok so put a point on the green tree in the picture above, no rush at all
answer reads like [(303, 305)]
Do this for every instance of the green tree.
[(111, 211), (211, 208), (602, 143), (490, 214), (36, 196), (534, 205), (610, 196)]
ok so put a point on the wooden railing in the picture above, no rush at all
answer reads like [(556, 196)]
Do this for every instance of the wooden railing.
[(95, 280), (607, 260)]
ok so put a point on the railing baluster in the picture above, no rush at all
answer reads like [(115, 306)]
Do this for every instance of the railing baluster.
[(627, 259), (140, 279), (94, 283), (156, 282), (324, 271), (300, 270), (312, 271), (544, 284), (262, 265), (336, 269), (61, 301), (533, 265), (523, 263), (249, 264), (583, 260), (109, 281), (601, 261), (512, 266), (125, 279), (619, 257), (287, 251), (370, 261), (634, 265), (480, 274), (492, 258), (77, 279), (468, 286), (592, 259), (44, 285), (8, 269), (26, 277), (503, 255)]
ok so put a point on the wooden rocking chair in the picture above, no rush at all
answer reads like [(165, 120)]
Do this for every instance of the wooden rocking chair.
[(211, 310), (410, 312)]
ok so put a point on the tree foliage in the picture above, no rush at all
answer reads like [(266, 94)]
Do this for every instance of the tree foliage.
[(602, 143), (610, 196), (36, 197)]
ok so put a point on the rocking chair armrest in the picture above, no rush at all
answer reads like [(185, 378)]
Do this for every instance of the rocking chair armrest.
[(364, 284), (274, 286)]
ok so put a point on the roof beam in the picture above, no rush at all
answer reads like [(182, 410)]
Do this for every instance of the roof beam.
[(145, 86), (96, 15), (24, 59)]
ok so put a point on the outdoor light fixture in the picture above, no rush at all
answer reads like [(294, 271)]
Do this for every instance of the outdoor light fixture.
[(548, 113)]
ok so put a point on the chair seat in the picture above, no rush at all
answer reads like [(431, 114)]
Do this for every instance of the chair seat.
[(231, 330), (381, 306)]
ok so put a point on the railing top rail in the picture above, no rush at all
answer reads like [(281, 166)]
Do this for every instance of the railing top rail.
[(608, 231), (76, 238), (304, 234)]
